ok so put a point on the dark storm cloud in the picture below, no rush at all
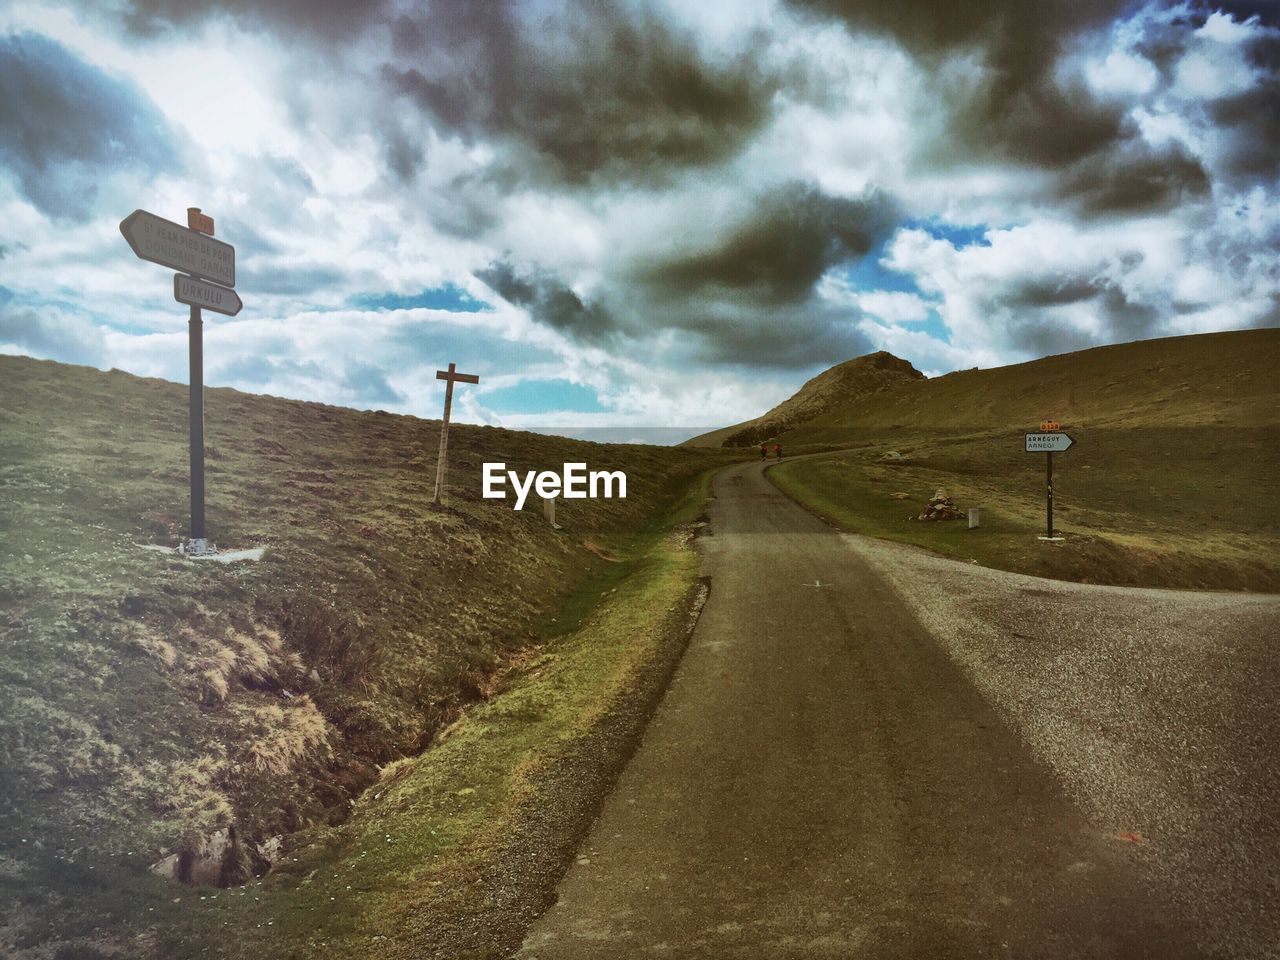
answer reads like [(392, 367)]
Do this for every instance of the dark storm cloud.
[(593, 90), (782, 338), (64, 124), (1250, 122), (1028, 308), (791, 236), (550, 301), (1133, 178), (1247, 123), (747, 297), (1021, 110), (329, 21)]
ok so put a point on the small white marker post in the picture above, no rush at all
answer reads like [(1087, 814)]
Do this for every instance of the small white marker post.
[(450, 377), (1049, 441), (549, 511)]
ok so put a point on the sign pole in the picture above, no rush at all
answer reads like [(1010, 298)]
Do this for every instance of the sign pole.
[(1049, 500), (1049, 440), (196, 378), (206, 278), (444, 433)]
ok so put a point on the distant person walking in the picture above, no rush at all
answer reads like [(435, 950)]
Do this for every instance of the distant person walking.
[(777, 450), (764, 451)]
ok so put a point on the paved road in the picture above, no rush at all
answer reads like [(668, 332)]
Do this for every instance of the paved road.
[(823, 780)]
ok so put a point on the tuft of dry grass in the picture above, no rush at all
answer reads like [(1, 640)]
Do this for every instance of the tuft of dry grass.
[(288, 736)]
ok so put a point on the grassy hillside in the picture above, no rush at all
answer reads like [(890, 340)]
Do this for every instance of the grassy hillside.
[(1216, 379), (149, 701), (1170, 483), (855, 379)]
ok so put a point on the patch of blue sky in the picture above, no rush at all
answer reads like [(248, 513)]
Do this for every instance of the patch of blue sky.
[(543, 396), (958, 235), (473, 350), (449, 297), (869, 274), (934, 327)]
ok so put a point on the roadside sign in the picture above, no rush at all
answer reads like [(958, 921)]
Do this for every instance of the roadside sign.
[(171, 245), (200, 222), (190, 250), (1048, 442), (202, 293)]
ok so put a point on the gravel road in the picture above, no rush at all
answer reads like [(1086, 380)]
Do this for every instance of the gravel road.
[(1158, 710), (868, 751)]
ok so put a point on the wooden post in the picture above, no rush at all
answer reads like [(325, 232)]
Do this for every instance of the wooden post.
[(450, 377)]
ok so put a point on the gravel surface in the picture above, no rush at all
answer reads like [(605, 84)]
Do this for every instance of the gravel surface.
[(1159, 711)]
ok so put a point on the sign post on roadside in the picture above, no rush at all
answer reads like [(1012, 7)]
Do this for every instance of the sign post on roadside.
[(1049, 440), (208, 273), (450, 377)]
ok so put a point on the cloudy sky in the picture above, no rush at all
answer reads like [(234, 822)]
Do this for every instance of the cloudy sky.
[(622, 214)]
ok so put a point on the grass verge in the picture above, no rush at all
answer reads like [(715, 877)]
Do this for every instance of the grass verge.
[(1179, 507)]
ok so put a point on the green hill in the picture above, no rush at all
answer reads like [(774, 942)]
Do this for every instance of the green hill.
[(1170, 483), (856, 379), (149, 701)]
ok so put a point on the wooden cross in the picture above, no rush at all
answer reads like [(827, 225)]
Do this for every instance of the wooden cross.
[(450, 377)]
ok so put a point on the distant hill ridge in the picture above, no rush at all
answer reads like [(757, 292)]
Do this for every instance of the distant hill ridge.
[(843, 383), (1206, 380)]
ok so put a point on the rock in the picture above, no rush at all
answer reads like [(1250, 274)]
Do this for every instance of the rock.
[(940, 507), (271, 849), (899, 496), (166, 867), (314, 675), (893, 456), (218, 861)]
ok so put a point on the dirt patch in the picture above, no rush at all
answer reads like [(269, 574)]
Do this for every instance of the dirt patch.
[(600, 551)]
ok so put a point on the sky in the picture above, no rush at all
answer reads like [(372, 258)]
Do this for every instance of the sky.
[(635, 215)]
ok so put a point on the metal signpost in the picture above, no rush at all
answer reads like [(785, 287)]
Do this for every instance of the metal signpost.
[(450, 377), (1049, 441), (212, 264), (201, 293)]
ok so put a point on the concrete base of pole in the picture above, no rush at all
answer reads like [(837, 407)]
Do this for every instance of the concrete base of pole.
[(213, 555), (1052, 539)]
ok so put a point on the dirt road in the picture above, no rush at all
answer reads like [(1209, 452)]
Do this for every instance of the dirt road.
[(825, 778)]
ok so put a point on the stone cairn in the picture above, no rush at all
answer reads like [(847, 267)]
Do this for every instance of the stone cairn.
[(940, 507)]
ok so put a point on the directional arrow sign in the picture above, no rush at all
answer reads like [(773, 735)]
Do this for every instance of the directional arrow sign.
[(1048, 442), (168, 244), (202, 293)]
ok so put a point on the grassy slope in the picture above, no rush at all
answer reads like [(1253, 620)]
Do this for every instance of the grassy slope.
[(149, 701), (841, 384), (1170, 483)]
